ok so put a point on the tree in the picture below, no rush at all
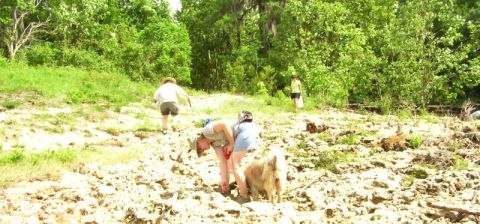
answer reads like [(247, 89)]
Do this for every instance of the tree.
[(27, 18)]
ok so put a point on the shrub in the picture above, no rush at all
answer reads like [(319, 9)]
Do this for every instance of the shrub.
[(41, 54)]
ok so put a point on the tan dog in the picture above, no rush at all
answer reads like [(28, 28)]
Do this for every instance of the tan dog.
[(268, 174)]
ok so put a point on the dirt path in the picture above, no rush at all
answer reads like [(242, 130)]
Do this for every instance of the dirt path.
[(365, 184)]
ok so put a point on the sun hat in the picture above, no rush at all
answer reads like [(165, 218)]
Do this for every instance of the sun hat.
[(169, 79), (245, 115), (193, 145)]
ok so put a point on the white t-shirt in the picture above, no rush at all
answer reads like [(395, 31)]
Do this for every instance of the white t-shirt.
[(168, 92)]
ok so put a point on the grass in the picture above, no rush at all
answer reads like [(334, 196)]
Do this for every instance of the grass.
[(112, 131), (350, 139), (18, 165), (329, 159), (302, 145), (11, 104), (459, 163), (454, 147), (429, 118), (415, 141), (417, 174), (71, 85), (265, 105), (324, 137)]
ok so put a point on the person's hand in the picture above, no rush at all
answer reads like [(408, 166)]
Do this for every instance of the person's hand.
[(230, 148), (227, 151)]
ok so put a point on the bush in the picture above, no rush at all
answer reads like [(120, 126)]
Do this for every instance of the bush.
[(41, 54), (85, 59)]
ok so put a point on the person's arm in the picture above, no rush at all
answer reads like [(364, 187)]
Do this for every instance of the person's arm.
[(155, 95), (300, 87), (227, 131), (182, 92)]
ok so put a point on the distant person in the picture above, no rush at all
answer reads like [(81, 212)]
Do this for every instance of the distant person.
[(295, 90), (231, 140), (166, 99)]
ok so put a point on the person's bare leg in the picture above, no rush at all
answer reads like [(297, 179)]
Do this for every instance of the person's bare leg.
[(295, 103), (164, 122), (236, 160), (174, 123), (224, 174)]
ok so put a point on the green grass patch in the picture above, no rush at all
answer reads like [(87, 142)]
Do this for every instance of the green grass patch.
[(459, 163), (148, 127), (429, 118), (112, 131), (18, 156), (404, 114), (417, 174), (329, 159), (454, 147), (11, 104), (415, 141), (73, 85), (350, 139), (302, 145), (324, 137), (19, 165)]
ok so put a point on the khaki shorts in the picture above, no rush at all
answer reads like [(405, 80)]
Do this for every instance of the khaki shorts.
[(169, 108)]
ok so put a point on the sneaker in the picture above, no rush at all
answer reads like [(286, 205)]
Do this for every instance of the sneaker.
[(164, 131)]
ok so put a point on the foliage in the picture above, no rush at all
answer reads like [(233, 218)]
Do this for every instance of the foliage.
[(391, 54), (136, 37)]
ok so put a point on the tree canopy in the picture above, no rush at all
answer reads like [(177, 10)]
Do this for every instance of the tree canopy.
[(390, 53)]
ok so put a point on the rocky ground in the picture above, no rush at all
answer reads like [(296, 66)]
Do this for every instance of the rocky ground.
[(343, 167)]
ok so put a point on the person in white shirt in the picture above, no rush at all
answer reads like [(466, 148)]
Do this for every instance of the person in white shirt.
[(166, 99)]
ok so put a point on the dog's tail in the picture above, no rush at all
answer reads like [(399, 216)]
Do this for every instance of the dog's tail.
[(278, 164)]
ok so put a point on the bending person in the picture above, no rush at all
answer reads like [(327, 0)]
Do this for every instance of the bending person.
[(231, 140)]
